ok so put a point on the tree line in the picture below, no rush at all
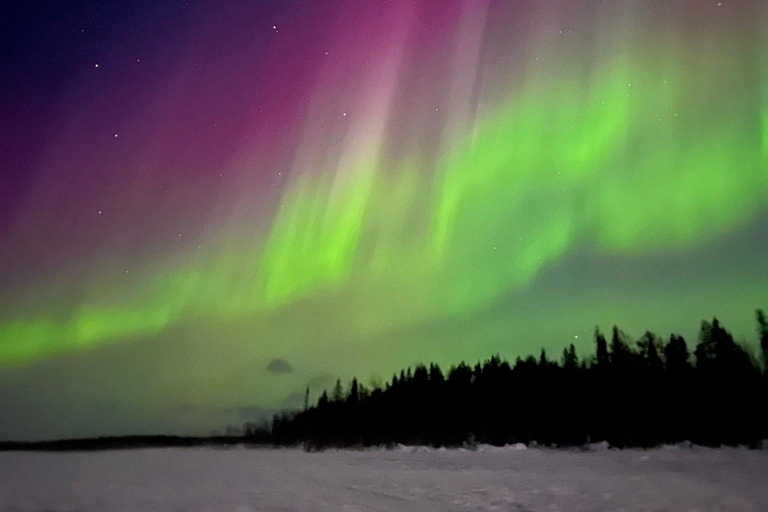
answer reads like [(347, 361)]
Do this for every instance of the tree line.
[(631, 393)]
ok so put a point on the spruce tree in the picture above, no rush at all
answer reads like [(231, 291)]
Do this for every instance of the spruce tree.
[(570, 360), (603, 359), (762, 331)]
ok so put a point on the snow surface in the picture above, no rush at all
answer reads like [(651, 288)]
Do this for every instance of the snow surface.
[(419, 479)]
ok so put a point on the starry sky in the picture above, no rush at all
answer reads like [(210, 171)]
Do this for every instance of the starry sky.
[(206, 206)]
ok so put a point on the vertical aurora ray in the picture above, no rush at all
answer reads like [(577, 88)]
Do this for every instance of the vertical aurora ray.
[(316, 232)]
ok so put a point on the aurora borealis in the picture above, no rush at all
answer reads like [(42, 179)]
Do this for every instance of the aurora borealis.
[(194, 190)]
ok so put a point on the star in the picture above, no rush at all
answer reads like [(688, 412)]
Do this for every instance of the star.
[(344, 114), (99, 212), (115, 135), (95, 65)]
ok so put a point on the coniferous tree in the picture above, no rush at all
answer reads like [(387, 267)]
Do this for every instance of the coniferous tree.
[(603, 359), (543, 362), (435, 375), (676, 354), (570, 360), (762, 331), (354, 391), (677, 406), (338, 392), (649, 351), (621, 354), (704, 352)]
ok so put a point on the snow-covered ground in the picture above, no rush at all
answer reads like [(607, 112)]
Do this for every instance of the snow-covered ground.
[(503, 479)]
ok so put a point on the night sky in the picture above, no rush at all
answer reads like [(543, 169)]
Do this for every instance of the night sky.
[(206, 206)]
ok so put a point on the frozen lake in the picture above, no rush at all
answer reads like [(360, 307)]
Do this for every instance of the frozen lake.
[(503, 479)]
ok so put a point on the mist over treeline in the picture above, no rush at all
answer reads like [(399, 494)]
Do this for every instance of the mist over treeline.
[(631, 393)]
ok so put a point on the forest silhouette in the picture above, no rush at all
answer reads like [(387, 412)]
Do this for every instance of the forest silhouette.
[(640, 393), (629, 393)]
